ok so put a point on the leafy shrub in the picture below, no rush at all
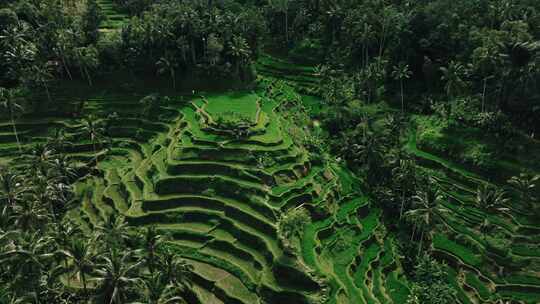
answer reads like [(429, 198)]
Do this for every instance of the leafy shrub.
[(291, 227), (496, 123), (480, 156)]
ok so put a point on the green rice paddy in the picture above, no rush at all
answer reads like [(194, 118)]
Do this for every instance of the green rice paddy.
[(220, 202)]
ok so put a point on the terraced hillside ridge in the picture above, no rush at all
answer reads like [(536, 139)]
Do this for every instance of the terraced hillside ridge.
[(113, 18), (301, 77), (484, 266), (216, 173)]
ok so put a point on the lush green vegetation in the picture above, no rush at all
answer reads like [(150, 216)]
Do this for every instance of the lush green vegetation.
[(269, 151)]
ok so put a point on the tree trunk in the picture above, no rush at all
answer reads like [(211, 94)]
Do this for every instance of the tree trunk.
[(402, 203), (15, 132), (193, 54), (381, 45), (88, 76), (95, 152), (287, 26), (420, 245), (46, 90), (484, 96), (84, 282), (402, 103), (66, 67)]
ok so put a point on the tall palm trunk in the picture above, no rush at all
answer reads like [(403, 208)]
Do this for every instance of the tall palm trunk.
[(95, 151), (286, 26), (402, 103), (83, 276), (15, 130), (173, 77), (420, 245), (484, 95), (402, 203), (66, 67)]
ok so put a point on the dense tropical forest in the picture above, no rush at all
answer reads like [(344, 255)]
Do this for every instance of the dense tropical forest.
[(270, 151)]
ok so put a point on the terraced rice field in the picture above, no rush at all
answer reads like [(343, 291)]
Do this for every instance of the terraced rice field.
[(113, 18), (483, 269), (480, 270), (220, 194), (220, 199)]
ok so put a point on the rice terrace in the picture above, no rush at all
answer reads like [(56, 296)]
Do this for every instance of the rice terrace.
[(270, 151)]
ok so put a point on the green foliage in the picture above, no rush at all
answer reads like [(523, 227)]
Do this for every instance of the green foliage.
[(431, 285), (291, 227), (192, 37)]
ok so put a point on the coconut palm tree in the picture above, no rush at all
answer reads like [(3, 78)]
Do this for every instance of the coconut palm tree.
[(117, 273), (81, 256), (9, 186), (428, 211), (491, 199), (114, 231), (404, 175), (150, 104), (95, 132), (10, 100), (453, 76), (168, 64), (32, 253), (239, 50), (156, 290), (282, 6), (176, 270), (400, 73), (41, 157), (59, 141), (87, 60), (485, 228), (49, 194), (526, 184), (151, 242), (29, 214)]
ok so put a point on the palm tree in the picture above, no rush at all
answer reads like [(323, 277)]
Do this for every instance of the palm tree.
[(9, 186), (95, 132), (21, 52), (158, 291), (453, 76), (10, 100), (404, 175), (485, 227), (428, 211), (114, 231), (41, 158), (239, 50), (31, 254), (59, 141), (526, 185), (282, 6), (152, 240), (49, 194), (490, 198), (30, 214), (401, 72), (150, 104), (117, 273), (176, 270), (87, 59), (81, 257), (39, 74), (168, 64)]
